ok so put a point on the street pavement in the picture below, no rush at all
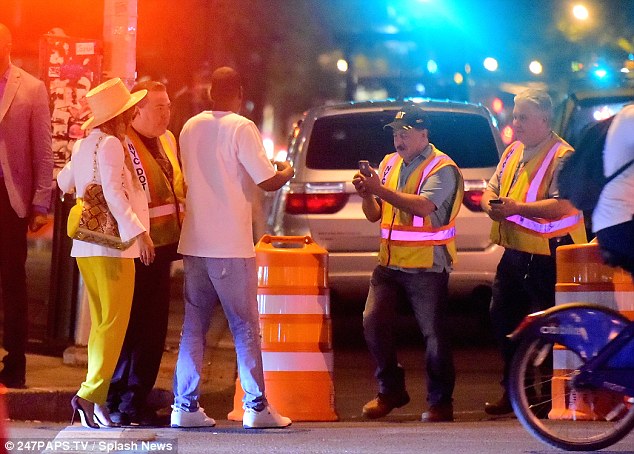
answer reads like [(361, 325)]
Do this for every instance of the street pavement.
[(503, 436), (39, 415), (52, 381), (400, 432)]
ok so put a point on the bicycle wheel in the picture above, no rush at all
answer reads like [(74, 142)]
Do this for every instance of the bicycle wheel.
[(564, 417)]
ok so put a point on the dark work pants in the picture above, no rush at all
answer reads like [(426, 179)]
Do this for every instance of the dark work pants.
[(140, 358), (426, 294), (13, 251), (524, 283)]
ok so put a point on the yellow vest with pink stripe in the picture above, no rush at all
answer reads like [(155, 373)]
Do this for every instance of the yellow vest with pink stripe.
[(532, 234), (407, 241), (166, 199)]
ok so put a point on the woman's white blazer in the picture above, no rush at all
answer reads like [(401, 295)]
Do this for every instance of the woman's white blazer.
[(127, 204)]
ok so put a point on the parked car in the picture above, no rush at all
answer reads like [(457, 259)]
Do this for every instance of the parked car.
[(320, 200), (582, 108)]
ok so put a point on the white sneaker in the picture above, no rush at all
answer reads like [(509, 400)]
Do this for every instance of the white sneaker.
[(267, 418), (184, 418)]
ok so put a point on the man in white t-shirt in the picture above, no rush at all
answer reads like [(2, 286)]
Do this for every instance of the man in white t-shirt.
[(221, 152), (613, 217)]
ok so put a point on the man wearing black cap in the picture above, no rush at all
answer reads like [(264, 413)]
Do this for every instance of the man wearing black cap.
[(416, 195)]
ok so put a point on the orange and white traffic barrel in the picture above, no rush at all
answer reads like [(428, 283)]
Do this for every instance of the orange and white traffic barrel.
[(296, 329), (582, 277)]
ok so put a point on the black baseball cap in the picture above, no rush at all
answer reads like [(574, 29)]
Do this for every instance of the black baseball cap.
[(410, 117)]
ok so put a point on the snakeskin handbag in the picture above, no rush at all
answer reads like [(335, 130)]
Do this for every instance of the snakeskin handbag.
[(90, 219)]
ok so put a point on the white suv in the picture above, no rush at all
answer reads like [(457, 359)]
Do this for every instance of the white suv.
[(320, 200)]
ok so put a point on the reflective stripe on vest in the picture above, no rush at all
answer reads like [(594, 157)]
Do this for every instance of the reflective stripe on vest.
[(164, 210), (549, 227), (531, 195), (417, 221), (408, 235)]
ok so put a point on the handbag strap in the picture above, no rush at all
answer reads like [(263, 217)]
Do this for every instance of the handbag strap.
[(94, 162)]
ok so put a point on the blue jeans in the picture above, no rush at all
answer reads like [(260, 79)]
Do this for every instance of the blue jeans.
[(232, 282), (426, 293)]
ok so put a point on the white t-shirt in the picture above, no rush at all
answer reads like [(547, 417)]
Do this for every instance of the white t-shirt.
[(616, 203), (221, 151)]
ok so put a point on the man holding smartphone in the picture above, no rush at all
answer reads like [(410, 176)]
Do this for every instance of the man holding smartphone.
[(416, 196), (364, 168), (530, 221)]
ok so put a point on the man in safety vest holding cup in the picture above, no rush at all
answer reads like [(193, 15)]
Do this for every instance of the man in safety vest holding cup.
[(530, 221), (416, 195)]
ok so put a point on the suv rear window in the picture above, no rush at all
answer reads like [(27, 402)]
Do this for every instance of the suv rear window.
[(340, 141), (587, 113)]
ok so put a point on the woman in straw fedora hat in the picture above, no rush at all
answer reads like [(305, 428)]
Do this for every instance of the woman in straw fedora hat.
[(108, 273)]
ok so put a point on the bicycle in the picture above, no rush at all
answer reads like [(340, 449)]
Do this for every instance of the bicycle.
[(591, 405)]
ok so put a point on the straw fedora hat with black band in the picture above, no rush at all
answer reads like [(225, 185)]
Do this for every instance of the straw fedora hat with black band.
[(108, 100)]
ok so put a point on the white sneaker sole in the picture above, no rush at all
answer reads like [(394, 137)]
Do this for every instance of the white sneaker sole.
[(266, 427), (176, 426)]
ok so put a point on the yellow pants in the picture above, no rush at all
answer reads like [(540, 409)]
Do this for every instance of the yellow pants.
[(110, 286)]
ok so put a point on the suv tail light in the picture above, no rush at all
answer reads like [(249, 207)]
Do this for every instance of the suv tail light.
[(507, 134), (473, 190), (311, 198)]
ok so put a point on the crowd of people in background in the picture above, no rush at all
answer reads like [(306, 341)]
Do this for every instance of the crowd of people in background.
[(188, 194)]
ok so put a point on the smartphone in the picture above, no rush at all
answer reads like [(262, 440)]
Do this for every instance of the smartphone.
[(364, 168), (495, 202)]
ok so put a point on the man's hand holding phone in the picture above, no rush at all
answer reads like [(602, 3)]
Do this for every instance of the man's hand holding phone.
[(365, 169), (501, 207), (363, 179)]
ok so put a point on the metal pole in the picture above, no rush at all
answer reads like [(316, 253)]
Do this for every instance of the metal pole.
[(351, 74), (64, 278), (119, 39), (119, 36)]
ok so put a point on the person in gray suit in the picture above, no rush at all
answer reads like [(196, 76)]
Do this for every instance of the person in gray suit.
[(26, 175)]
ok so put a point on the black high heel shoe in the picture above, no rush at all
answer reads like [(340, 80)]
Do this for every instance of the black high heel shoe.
[(85, 416), (102, 417)]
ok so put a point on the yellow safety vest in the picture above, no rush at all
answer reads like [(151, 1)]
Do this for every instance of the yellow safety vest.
[(531, 234), (407, 241), (166, 199)]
